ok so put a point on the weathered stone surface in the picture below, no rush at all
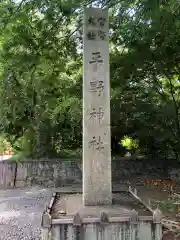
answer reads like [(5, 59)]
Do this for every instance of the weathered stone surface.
[(104, 218), (46, 220), (134, 217), (77, 221), (63, 173), (121, 205), (97, 189)]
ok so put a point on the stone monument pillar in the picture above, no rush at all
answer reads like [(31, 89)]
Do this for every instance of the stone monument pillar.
[(97, 188)]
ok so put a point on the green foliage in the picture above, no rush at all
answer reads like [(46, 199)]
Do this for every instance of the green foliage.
[(129, 143), (168, 206), (41, 75), (4, 145)]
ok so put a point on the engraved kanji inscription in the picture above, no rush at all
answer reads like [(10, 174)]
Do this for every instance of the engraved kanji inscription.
[(97, 114), (96, 22), (101, 21), (96, 143), (92, 21), (96, 60), (102, 35), (97, 86), (96, 35), (91, 35)]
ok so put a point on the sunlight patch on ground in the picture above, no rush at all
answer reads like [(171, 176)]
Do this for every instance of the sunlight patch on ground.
[(9, 214)]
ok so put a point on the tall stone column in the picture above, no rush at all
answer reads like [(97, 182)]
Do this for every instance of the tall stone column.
[(97, 188)]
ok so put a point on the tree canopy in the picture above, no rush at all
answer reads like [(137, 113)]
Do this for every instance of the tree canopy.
[(41, 74)]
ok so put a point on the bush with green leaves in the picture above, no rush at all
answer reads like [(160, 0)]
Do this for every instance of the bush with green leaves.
[(41, 75)]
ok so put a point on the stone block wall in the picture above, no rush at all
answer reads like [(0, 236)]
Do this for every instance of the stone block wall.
[(7, 174), (57, 173), (47, 173)]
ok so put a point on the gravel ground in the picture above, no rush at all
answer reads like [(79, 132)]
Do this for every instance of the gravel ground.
[(20, 213)]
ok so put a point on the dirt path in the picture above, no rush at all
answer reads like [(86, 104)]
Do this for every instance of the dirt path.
[(20, 213)]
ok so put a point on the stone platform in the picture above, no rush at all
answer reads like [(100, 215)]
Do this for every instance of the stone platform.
[(126, 218), (68, 204)]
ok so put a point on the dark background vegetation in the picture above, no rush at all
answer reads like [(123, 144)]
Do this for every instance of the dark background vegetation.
[(41, 75)]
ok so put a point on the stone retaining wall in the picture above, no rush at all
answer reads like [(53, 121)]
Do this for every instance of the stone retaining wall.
[(48, 173), (58, 172)]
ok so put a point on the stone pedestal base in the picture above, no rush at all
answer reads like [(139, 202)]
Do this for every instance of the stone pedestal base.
[(126, 218), (122, 205)]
